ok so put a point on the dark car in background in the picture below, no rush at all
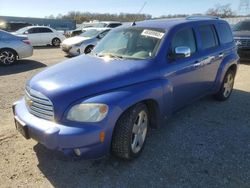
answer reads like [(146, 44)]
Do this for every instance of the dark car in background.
[(241, 33)]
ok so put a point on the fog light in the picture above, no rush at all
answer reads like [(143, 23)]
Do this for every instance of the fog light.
[(77, 152)]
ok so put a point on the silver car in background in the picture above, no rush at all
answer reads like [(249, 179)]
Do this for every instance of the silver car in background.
[(85, 42), (13, 48)]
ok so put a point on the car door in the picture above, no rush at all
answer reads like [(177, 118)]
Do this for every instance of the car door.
[(33, 36), (210, 54), (46, 35), (182, 73)]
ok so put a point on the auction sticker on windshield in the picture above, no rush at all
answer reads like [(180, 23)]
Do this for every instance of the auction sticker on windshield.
[(151, 33)]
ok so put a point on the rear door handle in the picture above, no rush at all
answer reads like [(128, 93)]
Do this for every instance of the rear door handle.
[(221, 55)]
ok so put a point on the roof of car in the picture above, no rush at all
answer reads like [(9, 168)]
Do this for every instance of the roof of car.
[(110, 22), (168, 23), (97, 28), (35, 26)]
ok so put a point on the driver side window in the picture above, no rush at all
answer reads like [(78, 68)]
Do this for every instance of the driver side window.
[(184, 38)]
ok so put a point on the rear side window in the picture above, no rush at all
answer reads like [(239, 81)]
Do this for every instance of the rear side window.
[(184, 37), (225, 33), (113, 25), (208, 36), (33, 30), (45, 30)]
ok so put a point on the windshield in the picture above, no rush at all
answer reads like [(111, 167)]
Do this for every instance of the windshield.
[(90, 33), (131, 43), (242, 26), (22, 30)]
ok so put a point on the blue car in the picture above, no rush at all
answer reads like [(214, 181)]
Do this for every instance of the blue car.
[(134, 79)]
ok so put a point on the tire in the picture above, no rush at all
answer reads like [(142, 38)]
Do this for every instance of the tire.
[(7, 57), (56, 42), (130, 132), (88, 49), (226, 87)]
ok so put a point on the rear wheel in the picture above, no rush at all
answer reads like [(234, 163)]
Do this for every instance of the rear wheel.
[(56, 42), (226, 87), (7, 57), (130, 132)]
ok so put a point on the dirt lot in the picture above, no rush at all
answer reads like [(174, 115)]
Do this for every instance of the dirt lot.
[(205, 145)]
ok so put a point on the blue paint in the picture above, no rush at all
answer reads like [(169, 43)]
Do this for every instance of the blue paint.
[(122, 83)]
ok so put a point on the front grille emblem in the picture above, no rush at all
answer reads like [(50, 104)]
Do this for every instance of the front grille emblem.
[(238, 43)]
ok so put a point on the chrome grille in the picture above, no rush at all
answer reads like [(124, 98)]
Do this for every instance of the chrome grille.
[(243, 43), (38, 104)]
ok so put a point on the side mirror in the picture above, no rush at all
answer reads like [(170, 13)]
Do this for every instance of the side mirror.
[(26, 32), (182, 52)]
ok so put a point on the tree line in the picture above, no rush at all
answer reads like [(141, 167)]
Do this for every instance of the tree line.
[(223, 11)]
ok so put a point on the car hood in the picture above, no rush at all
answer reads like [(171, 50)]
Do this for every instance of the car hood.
[(86, 75), (241, 34), (74, 40)]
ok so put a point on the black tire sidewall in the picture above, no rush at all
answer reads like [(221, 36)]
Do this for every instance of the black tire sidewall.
[(122, 135)]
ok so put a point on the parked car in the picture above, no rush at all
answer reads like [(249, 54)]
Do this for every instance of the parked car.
[(136, 77), (241, 33), (82, 29), (41, 35), (110, 24), (76, 32), (85, 42), (13, 48)]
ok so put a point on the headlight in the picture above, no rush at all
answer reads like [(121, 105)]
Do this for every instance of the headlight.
[(88, 112)]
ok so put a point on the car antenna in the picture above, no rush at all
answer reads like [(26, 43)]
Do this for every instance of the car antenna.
[(143, 6)]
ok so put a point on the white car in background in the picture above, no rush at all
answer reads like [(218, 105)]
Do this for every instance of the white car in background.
[(85, 42), (41, 35)]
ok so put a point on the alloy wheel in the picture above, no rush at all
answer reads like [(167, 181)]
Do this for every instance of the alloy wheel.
[(139, 132), (7, 57), (228, 85)]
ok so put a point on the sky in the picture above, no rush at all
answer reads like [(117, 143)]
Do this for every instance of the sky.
[(42, 8)]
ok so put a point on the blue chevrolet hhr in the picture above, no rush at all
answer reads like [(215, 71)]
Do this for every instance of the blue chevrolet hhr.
[(136, 77)]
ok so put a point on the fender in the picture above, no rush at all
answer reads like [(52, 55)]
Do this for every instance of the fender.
[(121, 99), (227, 62)]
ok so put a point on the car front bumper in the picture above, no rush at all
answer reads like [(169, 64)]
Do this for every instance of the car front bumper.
[(71, 50), (85, 139)]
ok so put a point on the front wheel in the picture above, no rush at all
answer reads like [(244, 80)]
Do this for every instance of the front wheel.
[(88, 49), (130, 132), (226, 87), (7, 57)]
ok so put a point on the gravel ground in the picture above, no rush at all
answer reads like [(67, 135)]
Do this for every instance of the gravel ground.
[(205, 145)]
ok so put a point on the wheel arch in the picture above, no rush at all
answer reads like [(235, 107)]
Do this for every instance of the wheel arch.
[(230, 62), (233, 68), (11, 50)]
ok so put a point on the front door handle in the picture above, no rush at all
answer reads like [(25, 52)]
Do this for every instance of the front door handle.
[(197, 64)]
